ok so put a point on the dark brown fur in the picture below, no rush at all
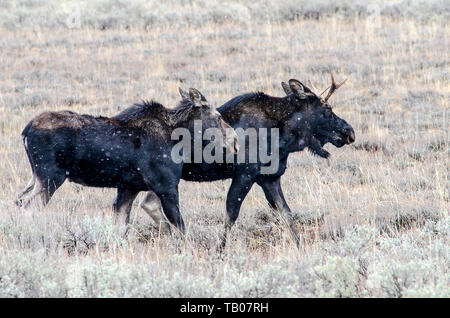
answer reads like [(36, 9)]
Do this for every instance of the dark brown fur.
[(66, 119), (130, 151), (304, 121)]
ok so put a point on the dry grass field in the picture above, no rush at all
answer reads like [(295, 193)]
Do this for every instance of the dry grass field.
[(373, 220)]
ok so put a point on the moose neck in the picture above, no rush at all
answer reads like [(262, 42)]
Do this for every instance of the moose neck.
[(260, 110), (182, 116)]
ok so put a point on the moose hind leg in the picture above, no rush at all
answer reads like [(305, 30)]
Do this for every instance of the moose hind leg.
[(122, 207), (152, 205), (274, 194), (27, 189), (45, 188)]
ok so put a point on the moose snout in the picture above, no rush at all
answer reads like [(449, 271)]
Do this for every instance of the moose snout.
[(350, 134)]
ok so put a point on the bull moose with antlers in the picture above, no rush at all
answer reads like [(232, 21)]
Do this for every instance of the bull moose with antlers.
[(304, 120)]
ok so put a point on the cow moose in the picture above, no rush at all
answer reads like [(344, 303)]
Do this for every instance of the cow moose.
[(304, 119), (130, 151)]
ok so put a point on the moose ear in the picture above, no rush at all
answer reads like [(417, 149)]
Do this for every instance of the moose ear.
[(184, 94), (286, 88), (298, 88), (197, 97)]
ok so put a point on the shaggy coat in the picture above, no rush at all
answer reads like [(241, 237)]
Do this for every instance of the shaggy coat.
[(304, 121), (130, 151)]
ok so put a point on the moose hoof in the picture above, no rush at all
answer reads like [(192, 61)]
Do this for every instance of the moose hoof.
[(18, 202)]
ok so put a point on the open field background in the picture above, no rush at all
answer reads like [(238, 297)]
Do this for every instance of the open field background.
[(374, 220)]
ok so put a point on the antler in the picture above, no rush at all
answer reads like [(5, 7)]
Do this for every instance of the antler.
[(333, 87), (313, 88)]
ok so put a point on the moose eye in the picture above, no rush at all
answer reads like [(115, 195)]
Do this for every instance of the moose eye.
[(327, 111)]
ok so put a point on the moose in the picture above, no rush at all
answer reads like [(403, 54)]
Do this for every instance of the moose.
[(304, 119), (130, 151)]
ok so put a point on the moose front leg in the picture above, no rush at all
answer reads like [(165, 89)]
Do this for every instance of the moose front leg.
[(240, 186), (152, 205), (274, 194), (170, 204)]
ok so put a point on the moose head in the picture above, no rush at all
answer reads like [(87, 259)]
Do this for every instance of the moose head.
[(315, 112), (211, 118)]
